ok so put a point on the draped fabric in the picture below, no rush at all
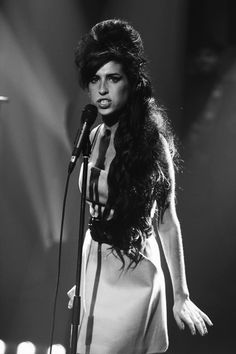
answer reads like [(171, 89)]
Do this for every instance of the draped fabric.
[(124, 311), (98, 167)]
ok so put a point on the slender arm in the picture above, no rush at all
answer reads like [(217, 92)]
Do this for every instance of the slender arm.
[(185, 311)]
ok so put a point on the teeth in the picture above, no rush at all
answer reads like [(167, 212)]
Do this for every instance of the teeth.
[(104, 103)]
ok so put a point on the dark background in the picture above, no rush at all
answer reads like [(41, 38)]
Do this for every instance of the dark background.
[(191, 49)]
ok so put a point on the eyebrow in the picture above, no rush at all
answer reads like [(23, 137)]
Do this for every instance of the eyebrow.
[(114, 74), (110, 74)]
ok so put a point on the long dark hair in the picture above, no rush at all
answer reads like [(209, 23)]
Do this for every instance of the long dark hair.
[(138, 175)]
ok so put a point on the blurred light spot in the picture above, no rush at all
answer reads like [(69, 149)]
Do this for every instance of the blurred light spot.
[(209, 115), (2, 347), (26, 348), (57, 349), (4, 99), (217, 93)]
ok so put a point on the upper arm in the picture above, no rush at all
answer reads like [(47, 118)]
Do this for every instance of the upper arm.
[(169, 219), (171, 170)]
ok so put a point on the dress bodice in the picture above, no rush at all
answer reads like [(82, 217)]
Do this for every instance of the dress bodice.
[(102, 154)]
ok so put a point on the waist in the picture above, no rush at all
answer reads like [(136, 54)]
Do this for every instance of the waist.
[(116, 234), (100, 211)]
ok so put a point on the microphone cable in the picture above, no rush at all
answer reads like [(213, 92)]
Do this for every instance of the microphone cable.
[(89, 115), (58, 265)]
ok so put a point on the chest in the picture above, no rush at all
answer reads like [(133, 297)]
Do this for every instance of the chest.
[(103, 150)]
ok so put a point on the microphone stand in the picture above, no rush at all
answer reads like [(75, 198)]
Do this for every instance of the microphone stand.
[(77, 298)]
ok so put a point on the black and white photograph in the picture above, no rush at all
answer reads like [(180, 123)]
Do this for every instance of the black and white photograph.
[(117, 178)]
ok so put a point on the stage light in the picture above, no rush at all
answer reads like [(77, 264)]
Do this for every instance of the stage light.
[(57, 349), (2, 347), (26, 348)]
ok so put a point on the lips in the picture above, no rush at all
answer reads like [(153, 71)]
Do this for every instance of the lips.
[(104, 102)]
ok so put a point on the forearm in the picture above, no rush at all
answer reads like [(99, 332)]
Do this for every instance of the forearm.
[(184, 310), (171, 240)]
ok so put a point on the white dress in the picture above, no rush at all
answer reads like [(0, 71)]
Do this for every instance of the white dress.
[(123, 311)]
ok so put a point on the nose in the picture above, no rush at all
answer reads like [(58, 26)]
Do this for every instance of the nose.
[(103, 89)]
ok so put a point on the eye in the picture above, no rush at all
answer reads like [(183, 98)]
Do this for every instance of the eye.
[(94, 79), (115, 78)]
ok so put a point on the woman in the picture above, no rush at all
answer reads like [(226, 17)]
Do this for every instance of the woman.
[(131, 185)]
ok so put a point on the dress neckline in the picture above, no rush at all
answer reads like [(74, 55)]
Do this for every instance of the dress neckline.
[(111, 128)]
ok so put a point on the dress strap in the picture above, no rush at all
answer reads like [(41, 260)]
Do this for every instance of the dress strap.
[(95, 137)]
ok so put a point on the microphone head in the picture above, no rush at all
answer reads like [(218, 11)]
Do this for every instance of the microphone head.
[(89, 114)]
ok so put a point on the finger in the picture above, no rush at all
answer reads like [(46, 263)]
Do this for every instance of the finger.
[(70, 304), (200, 325), (179, 323), (187, 319), (191, 326), (206, 318), (71, 292)]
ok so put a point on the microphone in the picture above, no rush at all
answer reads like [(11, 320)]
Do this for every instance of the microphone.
[(88, 117)]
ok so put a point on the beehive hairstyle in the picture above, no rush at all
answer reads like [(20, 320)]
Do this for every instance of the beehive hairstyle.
[(110, 40)]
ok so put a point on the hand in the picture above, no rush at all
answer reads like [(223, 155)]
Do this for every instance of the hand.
[(71, 294), (186, 312)]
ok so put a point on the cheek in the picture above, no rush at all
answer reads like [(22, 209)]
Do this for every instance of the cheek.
[(91, 94), (124, 94)]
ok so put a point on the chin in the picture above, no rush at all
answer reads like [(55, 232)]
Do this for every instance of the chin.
[(105, 112)]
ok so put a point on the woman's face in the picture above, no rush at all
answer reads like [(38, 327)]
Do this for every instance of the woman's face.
[(109, 88)]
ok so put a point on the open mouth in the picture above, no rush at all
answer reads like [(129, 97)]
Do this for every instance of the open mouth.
[(104, 103)]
